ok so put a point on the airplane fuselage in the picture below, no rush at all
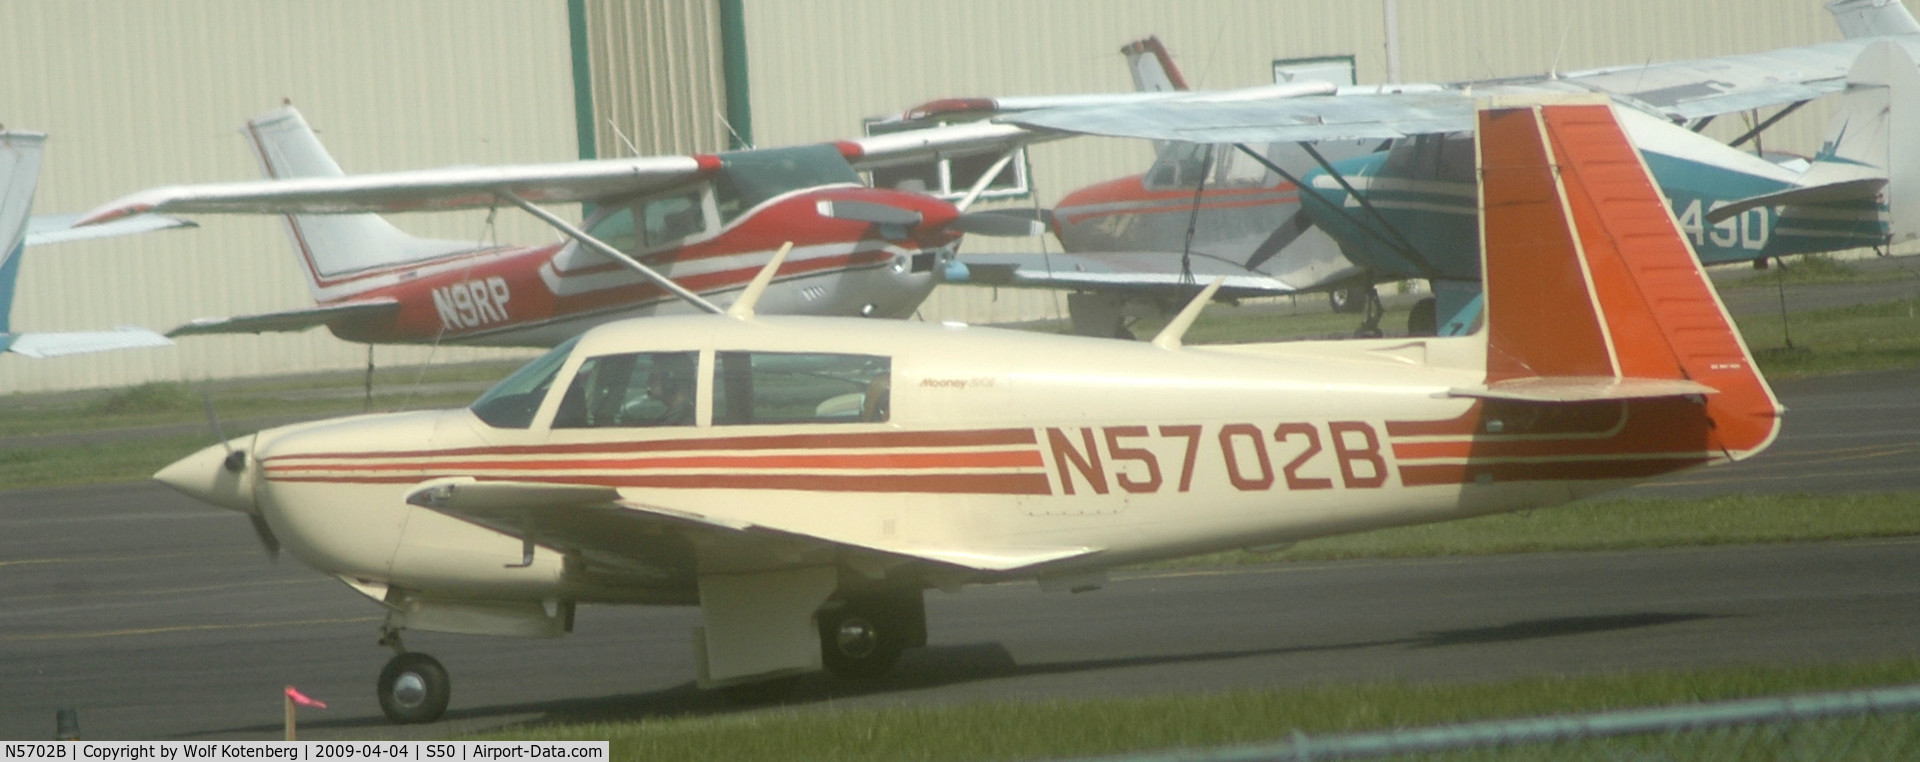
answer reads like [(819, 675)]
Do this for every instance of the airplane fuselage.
[(539, 296), (1247, 447)]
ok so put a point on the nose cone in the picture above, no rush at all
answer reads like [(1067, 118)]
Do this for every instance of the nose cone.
[(221, 475)]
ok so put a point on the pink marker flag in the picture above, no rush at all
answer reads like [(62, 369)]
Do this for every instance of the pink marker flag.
[(301, 698)]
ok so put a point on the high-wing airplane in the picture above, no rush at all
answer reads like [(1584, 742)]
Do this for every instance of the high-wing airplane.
[(1224, 196), (803, 480), (20, 153), (670, 234)]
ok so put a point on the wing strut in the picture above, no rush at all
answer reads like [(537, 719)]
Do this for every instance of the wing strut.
[(1400, 246), (1770, 121), (617, 255)]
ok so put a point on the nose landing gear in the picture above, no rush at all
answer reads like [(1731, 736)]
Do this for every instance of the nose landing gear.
[(413, 687)]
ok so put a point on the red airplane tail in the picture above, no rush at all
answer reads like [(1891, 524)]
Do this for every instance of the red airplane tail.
[(1592, 290)]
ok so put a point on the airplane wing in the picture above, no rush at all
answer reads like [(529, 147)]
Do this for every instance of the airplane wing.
[(479, 187), (290, 320), (1367, 116), (1575, 389), (1133, 273), (417, 190), (605, 520), (1703, 87), (42, 344)]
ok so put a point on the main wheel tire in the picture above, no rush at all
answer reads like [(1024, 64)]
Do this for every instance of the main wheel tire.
[(1424, 318), (414, 688), (858, 644)]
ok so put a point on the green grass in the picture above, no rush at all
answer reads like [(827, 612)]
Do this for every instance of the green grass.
[(1617, 524), (1841, 340), (1060, 728)]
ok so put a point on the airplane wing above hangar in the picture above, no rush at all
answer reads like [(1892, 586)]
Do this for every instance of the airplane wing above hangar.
[(605, 520), (560, 182)]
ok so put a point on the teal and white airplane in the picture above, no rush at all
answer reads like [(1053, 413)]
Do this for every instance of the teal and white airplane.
[(20, 153), (1409, 209)]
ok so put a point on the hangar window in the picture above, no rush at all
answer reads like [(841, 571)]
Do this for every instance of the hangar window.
[(630, 390), (511, 403), (950, 178), (790, 387)]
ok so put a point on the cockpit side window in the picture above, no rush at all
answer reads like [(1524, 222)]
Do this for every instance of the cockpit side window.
[(631, 390), (790, 387), (512, 403), (671, 218), (616, 229)]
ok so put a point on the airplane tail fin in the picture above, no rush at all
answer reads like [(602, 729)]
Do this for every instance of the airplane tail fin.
[(19, 174), (1872, 18), (1592, 292), (1864, 183), (1152, 67), (333, 248)]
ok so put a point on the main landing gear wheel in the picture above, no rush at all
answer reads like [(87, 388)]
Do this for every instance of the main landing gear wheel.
[(414, 688), (862, 638)]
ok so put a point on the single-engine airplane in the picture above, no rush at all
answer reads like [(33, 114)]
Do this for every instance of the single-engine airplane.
[(670, 234), (804, 480), (1231, 203), (20, 153)]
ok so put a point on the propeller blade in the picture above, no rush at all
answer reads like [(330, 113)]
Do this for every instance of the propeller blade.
[(265, 533), (867, 211), (1006, 223)]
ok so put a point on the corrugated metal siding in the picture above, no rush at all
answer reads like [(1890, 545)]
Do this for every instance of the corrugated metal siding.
[(658, 84), (818, 67), (144, 94)]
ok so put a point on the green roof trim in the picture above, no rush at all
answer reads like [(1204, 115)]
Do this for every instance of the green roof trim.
[(583, 117), (733, 55)]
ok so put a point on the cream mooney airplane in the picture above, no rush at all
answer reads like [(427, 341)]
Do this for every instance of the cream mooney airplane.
[(804, 480)]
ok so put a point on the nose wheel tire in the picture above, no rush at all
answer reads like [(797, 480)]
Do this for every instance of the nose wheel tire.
[(414, 688)]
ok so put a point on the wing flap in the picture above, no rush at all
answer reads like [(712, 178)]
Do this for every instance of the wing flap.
[(290, 320)]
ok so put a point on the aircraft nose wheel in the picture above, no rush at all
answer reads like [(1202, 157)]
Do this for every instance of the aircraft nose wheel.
[(414, 688)]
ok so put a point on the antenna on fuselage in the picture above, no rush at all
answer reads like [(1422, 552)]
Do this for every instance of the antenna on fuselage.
[(743, 307), (1169, 337)]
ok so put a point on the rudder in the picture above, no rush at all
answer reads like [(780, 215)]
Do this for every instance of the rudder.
[(1591, 287)]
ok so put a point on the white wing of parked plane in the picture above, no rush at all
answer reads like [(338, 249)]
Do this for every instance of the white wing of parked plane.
[(479, 187)]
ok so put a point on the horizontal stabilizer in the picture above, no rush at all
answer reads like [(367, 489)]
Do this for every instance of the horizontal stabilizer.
[(1579, 389), (290, 320), (59, 228), (81, 342), (1865, 190)]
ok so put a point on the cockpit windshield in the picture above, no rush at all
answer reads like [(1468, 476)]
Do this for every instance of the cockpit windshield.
[(511, 403)]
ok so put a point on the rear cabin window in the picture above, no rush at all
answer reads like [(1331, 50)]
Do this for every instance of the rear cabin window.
[(784, 387), (511, 403), (630, 390)]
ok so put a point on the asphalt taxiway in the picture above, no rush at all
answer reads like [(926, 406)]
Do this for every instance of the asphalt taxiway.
[(156, 617)]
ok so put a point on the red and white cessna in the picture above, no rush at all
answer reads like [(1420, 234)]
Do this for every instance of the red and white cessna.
[(804, 480), (670, 233)]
